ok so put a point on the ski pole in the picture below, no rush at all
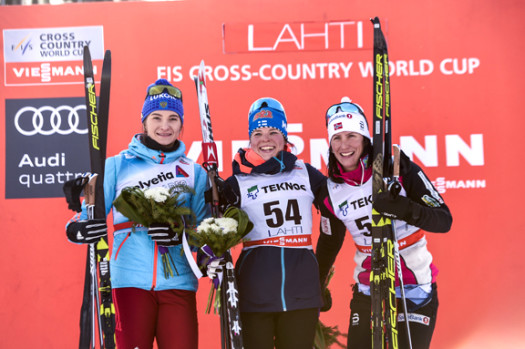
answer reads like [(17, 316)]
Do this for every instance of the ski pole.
[(395, 187), (89, 191)]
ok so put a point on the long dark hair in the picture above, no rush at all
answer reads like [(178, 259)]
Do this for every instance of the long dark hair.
[(368, 151)]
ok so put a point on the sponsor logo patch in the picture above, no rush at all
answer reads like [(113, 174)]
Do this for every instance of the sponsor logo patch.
[(263, 114), (355, 319), (413, 317), (325, 226), (343, 207), (179, 172), (252, 192)]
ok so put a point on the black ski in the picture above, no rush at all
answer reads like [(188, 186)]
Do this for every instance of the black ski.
[(231, 336), (97, 125), (230, 294), (86, 317), (382, 278)]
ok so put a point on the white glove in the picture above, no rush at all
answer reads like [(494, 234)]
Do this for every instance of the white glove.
[(215, 268)]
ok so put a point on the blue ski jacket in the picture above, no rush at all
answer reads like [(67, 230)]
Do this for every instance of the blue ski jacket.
[(135, 260)]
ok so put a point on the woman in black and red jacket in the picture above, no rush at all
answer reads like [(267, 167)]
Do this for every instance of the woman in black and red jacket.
[(347, 204)]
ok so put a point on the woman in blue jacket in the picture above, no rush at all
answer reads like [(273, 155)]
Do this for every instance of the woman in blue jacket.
[(148, 304)]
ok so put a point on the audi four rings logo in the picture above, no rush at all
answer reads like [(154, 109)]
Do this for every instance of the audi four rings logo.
[(55, 120)]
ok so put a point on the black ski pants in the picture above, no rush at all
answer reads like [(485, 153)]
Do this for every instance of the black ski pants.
[(282, 330), (422, 322)]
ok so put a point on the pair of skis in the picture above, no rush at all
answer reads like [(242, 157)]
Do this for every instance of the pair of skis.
[(231, 328), (97, 302), (385, 248)]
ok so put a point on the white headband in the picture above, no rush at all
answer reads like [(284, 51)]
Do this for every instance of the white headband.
[(346, 121)]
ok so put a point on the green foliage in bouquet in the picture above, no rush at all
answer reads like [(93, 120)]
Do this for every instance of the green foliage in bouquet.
[(155, 205), (326, 336), (221, 234)]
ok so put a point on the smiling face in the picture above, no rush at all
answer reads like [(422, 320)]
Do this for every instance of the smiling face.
[(267, 142), (347, 148), (163, 126)]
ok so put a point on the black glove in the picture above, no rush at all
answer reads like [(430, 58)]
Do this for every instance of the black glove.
[(393, 206), (220, 184), (327, 300), (87, 232), (164, 235)]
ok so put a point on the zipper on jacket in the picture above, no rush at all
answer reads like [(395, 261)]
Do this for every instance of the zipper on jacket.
[(283, 279), (154, 281), (121, 244)]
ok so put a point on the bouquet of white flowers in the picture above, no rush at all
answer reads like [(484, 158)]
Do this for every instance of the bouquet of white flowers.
[(156, 205), (216, 236), (221, 234)]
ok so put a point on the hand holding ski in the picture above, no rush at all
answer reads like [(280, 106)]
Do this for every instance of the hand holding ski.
[(231, 336), (382, 277), (209, 149)]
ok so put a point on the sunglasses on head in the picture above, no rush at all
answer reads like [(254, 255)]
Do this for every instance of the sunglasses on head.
[(158, 89), (343, 107), (266, 103)]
